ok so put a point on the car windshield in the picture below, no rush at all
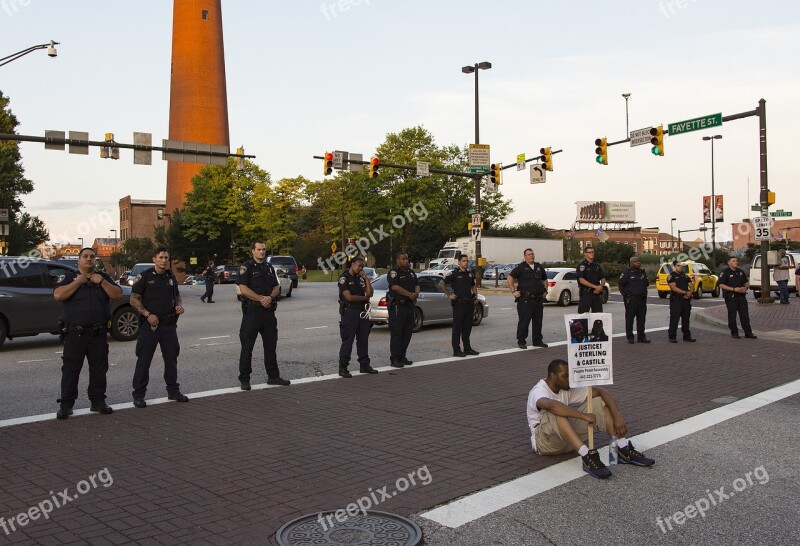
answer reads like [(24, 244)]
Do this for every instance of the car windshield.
[(139, 268), (370, 272), (381, 283), (551, 274), (285, 262), (436, 267)]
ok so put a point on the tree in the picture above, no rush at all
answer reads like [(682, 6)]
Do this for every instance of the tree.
[(531, 230), (613, 252), (134, 250), (26, 232)]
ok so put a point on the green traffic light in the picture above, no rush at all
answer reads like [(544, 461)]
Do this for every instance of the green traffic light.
[(655, 150), (599, 158)]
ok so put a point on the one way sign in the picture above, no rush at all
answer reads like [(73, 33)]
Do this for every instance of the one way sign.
[(537, 174)]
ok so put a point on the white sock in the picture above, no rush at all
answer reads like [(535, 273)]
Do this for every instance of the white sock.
[(583, 451), (622, 442)]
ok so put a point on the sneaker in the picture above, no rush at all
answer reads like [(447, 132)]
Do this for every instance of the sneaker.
[(344, 373), (139, 403), (629, 455), (367, 369), (593, 466), (471, 352), (63, 412), (178, 396), (245, 385), (278, 381), (102, 408)]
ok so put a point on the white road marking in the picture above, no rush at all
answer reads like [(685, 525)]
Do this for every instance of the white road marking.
[(314, 327), (212, 337), (26, 361)]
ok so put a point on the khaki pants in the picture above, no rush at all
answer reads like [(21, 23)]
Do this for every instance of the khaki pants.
[(548, 438)]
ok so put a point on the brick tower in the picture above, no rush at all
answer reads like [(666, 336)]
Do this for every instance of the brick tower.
[(198, 101)]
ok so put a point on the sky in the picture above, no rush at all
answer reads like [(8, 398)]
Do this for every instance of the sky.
[(305, 77)]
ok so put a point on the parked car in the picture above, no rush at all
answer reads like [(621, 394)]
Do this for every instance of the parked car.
[(192, 280), (501, 270), (27, 306), (226, 274), (288, 264), (433, 305), (371, 273), (123, 279), (563, 288), (704, 279), (440, 270), (755, 273), (134, 273), (283, 278)]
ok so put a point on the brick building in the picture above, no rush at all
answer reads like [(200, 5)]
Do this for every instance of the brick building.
[(743, 232), (139, 217), (643, 240), (105, 246)]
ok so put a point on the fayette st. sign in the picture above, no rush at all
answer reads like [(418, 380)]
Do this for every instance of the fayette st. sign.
[(606, 211)]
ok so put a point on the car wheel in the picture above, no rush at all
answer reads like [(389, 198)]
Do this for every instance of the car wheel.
[(604, 296), (289, 293), (565, 298), (2, 332), (125, 324), (477, 314), (662, 295), (715, 292), (417, 320), (698, 293)]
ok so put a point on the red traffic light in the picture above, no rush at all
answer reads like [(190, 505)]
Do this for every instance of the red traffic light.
[(328, 156)]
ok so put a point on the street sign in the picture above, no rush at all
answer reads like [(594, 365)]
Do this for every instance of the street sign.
[(476, 219), (755, 208), (3, 215), (479, 158), (780, 213), (696, 124), (537, 174), (762, 226), (333, 248), (193, 260), (476, 233), (423, 168), (356, 167), (520, 162), (640, 136), (339, 159)]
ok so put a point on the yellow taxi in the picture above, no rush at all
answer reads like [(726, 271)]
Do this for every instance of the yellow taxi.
[(702, 277)]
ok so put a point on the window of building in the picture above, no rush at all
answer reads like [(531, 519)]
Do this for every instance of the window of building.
[(205, 15)]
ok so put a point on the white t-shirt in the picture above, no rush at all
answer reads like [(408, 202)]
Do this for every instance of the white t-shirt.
[(573, 397), (782, 274)]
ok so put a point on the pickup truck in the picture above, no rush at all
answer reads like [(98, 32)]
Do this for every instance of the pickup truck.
[(772, 258)]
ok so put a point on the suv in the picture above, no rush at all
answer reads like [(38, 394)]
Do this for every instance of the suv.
[(702, 277), (27, 306), (772, 259), (226, 274), (288, 264)]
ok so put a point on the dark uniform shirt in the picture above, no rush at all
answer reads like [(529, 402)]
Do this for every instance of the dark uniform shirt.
[(258, 277), (633, 282), (461, 283), (734, 279), (530, 278), (159, 292), (354, 284), (681, 280), (89, 305), (404, 277), (592, 272)]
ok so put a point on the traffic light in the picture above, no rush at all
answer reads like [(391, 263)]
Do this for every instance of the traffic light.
[(495, 173), (658, 140), (548, 158), (240, 160), (107, 152), (602, 150), (374, 164), (327, 164)]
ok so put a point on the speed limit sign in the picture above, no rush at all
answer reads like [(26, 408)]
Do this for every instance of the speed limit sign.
[(761, 225)]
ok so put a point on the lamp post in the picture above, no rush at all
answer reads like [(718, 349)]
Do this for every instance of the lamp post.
[(671, 238), (627, 96), (51, 52), (469, 70), (713, 199)]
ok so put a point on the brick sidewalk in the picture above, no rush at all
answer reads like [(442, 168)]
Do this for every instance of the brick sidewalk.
[(775, 321), (231, 469)]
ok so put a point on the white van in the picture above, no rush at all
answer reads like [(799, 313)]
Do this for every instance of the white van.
[(772, 259)]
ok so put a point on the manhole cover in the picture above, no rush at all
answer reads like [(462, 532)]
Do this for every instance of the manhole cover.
[(725, 400), (374, 528)]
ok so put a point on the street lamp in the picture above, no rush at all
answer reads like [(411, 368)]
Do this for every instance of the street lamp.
[(713, 199), (81, 240), (469, 70), (627, 96), (671, 238), (51, 52)]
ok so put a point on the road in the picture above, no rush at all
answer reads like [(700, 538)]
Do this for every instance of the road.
[(308, 345)]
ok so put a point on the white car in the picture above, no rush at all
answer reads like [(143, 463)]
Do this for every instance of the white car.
[(283, 278), (563, 288), (371, 273), (441, 270)]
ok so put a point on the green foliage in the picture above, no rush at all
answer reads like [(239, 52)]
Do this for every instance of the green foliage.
[(613, 252), (533, 230), (134, 250), (13, 183), (26, 232)]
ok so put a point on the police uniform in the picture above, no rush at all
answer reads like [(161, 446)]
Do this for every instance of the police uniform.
[(159, 295), (633, 285), (679, 307), (460, 283), (257, 319), (736, 302), (401, 314), (85, 314), (531, 281), (208, 275), (352, 326), (589, 301)]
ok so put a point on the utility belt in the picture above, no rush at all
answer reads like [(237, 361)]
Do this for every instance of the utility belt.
[(730, 295), (586, 290), (251, 303), (634, 297), (530, 296), (399, 302), (359, 306), (93, 330), (166, 320), (463, 300)]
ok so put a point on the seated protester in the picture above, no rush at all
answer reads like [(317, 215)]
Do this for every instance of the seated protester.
[(559, 422)]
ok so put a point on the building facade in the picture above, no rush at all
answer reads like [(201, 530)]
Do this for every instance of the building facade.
[(140, 217)]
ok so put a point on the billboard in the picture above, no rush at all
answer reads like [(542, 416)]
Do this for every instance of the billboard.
[(606, 211), (718, 209)]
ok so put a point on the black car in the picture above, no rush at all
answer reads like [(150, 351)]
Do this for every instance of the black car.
[(27, 306), (288, 264), (226, 274)]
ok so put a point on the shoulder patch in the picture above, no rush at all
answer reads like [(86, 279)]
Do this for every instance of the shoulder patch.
[(342, 280), (393, 274), (582, 267), (243, 270)]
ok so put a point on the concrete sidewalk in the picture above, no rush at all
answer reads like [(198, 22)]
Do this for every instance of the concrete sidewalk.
[(232, 468), (774, 321)]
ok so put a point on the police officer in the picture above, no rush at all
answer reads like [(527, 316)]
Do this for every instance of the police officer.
[(355, 290), (155, 296), (633, 285), (208, 275), (734, 284), (591, 280), (529, 295), (402, 297), (460, 288), (260, 288), (85, 299), (680, 303)]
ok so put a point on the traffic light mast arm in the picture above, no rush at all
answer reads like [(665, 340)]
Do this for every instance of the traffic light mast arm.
[(411, 168), (535, 158)]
